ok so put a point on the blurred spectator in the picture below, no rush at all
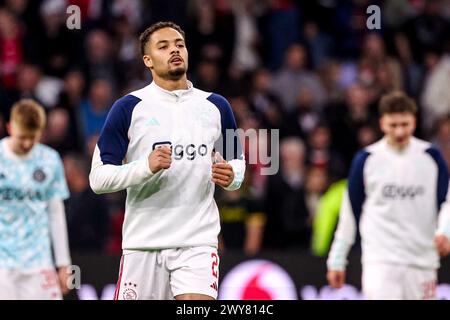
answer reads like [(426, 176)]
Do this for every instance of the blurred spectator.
[(208, 76), (321, 153), (73, 90), (241, 108), (395, 13), (436, 93), (127, 48), (350, 19), (87, 213), (16, 7), (287, 211), (210, 33), (315, 185), (242, 220), (320, 44), (331, 74), (130, 10), (413, 73), (428, 29), (163, 10), (27, 13), (378, 72), (70, 100), (389, 77), (95, 109), (441, 137), (100, 62), (56, 47), (304, 118), (11, 51), (245, 54), (346, 119), (295, 76), (279, 29), (366, 135), (28, 77), (94, 13), (57, 134), (32, 83), (264, 103)]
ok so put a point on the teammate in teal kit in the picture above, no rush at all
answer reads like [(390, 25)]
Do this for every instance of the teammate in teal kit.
[(32, 216)]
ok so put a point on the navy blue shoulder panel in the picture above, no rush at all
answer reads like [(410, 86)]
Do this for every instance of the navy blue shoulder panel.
[(356, 190), (442, 181), (231, 146), (113, 141)]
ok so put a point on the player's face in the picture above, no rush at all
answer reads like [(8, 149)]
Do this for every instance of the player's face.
[(398, 128), (22, 141), (167, 55)]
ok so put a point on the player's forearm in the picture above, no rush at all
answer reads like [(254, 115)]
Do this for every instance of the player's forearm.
[(106, 178), (58, 231), (238, 166), (444, 219), (110, 178), (337, 258), (344, 237)]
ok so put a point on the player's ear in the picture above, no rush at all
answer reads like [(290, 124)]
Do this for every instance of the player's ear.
[(148, 61), (8, 128)]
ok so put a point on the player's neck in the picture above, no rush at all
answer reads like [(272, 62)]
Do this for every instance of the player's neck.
[(171, 85), (13, 152), (398, 147)]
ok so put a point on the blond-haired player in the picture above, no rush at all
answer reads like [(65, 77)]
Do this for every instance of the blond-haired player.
[(32, 216)]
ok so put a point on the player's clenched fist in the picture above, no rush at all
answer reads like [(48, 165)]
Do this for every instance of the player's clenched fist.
[(160, 158), (222, 172)]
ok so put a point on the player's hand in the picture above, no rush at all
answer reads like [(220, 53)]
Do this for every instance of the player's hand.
[(63, 278), (160, 158), (442, 244), (336, 278), (222, 172)]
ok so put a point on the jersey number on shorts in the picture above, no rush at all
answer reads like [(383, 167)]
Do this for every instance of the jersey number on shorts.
[(215, 270)]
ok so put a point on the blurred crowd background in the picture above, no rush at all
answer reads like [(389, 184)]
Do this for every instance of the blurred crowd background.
[(311, 69)]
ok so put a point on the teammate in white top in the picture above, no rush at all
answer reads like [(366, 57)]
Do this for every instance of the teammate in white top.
[(32, 216), (161, 143), (398, 200)]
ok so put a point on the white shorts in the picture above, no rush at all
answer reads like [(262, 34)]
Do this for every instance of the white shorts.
[(39, 284), (164, 274), (383, 281)]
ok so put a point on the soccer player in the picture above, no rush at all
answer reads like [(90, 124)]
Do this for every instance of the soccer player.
[(32, 217), (158, 143), (396, 188)]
